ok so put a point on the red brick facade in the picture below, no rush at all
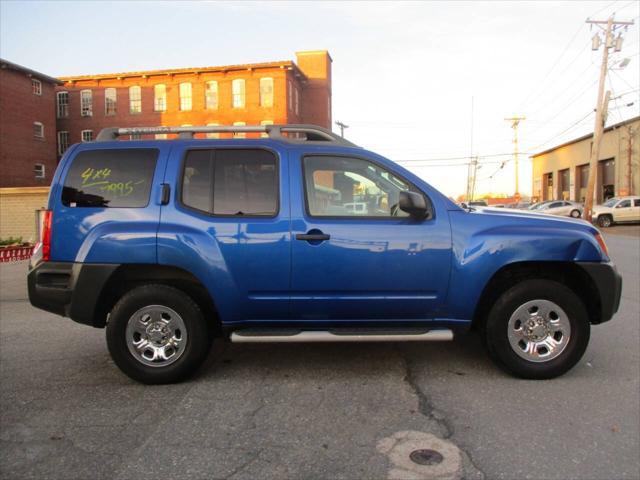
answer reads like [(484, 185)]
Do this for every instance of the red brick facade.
[(20, 108), (301, 94)]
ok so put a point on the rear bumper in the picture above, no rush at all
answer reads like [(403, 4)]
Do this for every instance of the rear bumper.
[(608, 282), (70, 289)]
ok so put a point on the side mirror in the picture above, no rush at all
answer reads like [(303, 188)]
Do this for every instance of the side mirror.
[(415, 205)]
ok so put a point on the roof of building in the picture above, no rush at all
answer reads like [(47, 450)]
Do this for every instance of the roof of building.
[(589, 135), (288, 64), (32, 73)]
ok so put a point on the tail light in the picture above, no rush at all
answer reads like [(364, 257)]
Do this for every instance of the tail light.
[(46, 235), (603, 245)]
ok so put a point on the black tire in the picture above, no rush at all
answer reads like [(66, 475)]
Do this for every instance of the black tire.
[(496, 336), (605, 221), (198, 340), (575, 213)]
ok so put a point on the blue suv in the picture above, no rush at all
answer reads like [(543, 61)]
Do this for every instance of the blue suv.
[(298, 235)]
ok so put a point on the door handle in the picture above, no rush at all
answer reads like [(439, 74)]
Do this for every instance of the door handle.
[(313, 236)]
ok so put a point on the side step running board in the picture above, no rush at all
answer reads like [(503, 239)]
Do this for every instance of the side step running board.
[(293, 336)]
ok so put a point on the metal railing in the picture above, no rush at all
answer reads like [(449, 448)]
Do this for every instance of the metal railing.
[(310, 133)]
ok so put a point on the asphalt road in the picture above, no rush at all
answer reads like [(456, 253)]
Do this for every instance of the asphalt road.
[(315, 411)]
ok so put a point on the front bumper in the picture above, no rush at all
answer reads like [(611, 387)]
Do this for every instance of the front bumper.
[(608, 283)]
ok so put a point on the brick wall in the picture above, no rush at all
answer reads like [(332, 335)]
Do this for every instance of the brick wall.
[(19, 149), (17, 211)]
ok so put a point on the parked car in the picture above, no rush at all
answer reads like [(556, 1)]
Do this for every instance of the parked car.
[(617, 210), (562, 208), (171, 243)]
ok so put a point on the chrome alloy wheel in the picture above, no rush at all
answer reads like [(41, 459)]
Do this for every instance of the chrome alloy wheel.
[(156, 336), (539, 331)]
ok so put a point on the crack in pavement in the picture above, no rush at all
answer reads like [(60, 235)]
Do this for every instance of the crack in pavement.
[(427, 409)]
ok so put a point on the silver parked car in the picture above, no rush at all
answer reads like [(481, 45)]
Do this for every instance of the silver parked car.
[(562, 208)]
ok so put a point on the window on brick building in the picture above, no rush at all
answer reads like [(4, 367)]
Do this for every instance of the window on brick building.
[(211, 95), (86, 135), (161, 136), (36, 86), (39, 170), (86, 103), (238, 93), (265, 122), (290, 89), (213, 135), (160, 97), (135, 99), (62, 104), (110, 101), (63, 142), (135, 136), (297, 101), (266, 92), (38, 130), (239, 134), (186, 100)]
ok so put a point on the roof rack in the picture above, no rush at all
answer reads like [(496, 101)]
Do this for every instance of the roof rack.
[(313, 133)]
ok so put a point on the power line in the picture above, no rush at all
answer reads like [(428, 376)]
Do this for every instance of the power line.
[(563, 131), (547, 75)]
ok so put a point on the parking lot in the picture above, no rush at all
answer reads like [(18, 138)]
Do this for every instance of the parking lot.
[(315, 411)]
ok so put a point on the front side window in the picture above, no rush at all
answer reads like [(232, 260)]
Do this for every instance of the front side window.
[(240, 182), (135, 99), (62, 104), (160, 97), (266, 92), (351, 187), (110, 101), (186, 102), (86, 103), (624, 204), (211, 95), (63, 142), (38, 130), (36, 86), (238, 93), (110, 178)]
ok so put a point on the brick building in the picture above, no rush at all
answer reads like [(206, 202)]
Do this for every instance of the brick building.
[(27, 126), (41, 116), (261, 93)]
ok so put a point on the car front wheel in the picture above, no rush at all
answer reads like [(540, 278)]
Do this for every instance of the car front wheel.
[(537, 329), (157, 334)]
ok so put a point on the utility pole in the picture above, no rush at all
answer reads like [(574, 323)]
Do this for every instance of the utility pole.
[(342, 127), (471, 178), (602, 102), (515, 121), (630, 133)]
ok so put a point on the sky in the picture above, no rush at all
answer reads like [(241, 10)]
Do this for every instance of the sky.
[(427, 84)]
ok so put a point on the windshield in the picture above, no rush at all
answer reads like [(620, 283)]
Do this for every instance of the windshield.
[(611, 202)]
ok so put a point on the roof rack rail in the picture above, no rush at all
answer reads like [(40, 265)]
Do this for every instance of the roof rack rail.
[(313, 133)]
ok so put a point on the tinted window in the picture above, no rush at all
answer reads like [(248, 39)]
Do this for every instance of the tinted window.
[(624, 204), (351, 187), (231, 182), (110, 178), (636, 202)]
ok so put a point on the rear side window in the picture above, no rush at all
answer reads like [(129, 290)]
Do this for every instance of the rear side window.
[(636, 202), (110, 178), (231, 182)]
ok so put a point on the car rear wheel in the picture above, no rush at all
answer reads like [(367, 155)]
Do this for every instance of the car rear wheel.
[(605, 221), (537, 329), (157, 334), (575, 213)]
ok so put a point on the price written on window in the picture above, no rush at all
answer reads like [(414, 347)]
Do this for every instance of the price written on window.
[(100, 178)]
